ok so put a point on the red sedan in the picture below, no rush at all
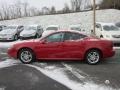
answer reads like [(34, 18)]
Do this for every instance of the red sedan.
[(63, 45)]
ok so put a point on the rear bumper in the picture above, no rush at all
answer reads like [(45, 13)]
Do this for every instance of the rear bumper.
[(108, 54), (6, 39)]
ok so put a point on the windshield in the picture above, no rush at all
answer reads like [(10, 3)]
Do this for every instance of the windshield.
[(76, 28), (110, 28), (10, 27), (118, 24), (52, 28), (31, 28)]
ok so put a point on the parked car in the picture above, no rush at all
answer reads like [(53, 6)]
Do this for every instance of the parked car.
[(63, 45), (31, 32), (11, 32), (50, 29), (76, 28), (108, 31), (2, 27)]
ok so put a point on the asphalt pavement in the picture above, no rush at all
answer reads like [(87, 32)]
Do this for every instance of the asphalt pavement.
[(38, 76)]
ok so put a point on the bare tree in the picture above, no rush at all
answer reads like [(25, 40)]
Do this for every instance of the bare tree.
[(76, 4), (66, 8), (53, 10)]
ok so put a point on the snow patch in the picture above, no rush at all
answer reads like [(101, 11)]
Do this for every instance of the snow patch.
[(58, 74), (7, 44), (3, 88), (8, 63)]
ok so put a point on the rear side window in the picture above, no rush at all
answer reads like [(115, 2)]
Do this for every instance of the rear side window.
[(73, 36)]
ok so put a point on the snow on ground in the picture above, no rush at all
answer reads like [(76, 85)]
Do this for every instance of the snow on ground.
[(64, 20), (8, 63), (60, 76)]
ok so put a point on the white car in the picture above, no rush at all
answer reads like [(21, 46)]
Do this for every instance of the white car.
[(31, 32), (76, 28), (2, 27), (11, 32), (50, 29), (108, 31)]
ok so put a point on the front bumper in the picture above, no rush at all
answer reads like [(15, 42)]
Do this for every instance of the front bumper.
[(6, 39), (12, 53), (108, 54), (29, 37)]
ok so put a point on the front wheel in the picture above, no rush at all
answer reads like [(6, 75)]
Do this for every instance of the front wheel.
[(93, 57), (26, 56)]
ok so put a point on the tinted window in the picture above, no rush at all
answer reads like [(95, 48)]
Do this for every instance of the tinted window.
[(110, 28), (52, 28), (55, 37), (118, 24), (73, 36), (97, 26)]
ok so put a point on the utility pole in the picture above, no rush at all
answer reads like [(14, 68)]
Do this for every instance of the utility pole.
[(94, 16)]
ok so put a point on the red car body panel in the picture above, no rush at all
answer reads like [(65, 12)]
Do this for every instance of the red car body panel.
[(71, 49)]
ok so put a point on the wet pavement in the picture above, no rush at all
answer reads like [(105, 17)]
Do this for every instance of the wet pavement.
[(61, 75)]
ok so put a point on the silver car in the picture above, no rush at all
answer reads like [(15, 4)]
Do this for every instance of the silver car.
[(31, 32), (11, 32)]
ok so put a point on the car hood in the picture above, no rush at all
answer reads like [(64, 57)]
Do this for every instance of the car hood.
[(47, 32), (8, 31), (27, 32), (112, 32)]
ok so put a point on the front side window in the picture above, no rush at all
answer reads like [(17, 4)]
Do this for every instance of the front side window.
[(57, 37), (73, 36)]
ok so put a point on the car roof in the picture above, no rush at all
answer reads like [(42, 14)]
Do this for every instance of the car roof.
[(75, 25), (14, 25), (35, 25), (53, 26), (73, 31), (102, 23)]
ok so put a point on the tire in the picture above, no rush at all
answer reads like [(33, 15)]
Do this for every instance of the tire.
[(93, 57), (26, 56), (16, 37)]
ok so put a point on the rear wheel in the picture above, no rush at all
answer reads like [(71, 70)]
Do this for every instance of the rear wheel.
[(26, 56), (93, 57)]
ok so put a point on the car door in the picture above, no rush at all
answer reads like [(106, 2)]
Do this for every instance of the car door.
[(51, 48), (73, 45)]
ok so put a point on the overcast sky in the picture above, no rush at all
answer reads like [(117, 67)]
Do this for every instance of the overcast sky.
[(41, 3)]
